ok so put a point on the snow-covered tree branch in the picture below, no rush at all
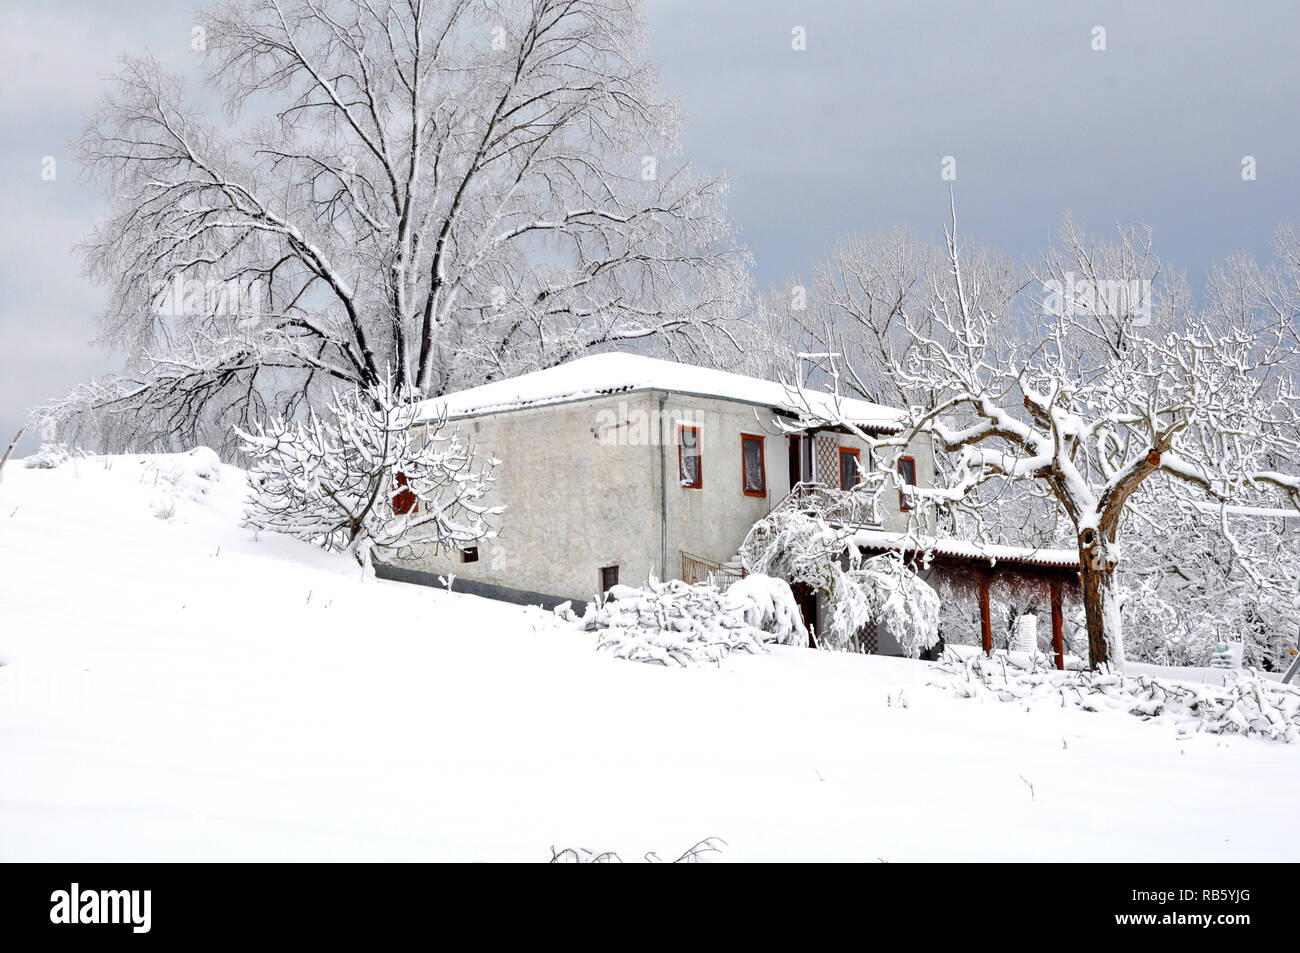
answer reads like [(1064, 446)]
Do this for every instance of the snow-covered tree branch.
[(370, 480), (453, 191), (1096, 380)]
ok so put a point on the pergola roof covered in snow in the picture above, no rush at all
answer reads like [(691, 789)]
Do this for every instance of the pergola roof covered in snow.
[(966, 550), (617, 373)]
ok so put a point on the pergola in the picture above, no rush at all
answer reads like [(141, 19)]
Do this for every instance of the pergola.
[(974, 567)]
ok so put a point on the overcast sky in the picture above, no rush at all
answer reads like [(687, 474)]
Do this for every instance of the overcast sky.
[(846, 135)]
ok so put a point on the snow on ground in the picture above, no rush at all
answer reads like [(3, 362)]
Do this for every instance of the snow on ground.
[(173, 688)]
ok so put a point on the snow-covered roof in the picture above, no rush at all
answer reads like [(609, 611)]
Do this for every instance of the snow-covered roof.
[(966, 549), (619, 373)]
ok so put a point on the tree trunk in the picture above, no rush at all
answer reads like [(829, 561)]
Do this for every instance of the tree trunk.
[(1100, 603)]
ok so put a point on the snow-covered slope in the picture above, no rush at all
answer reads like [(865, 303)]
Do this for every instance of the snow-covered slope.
[(172, 687)]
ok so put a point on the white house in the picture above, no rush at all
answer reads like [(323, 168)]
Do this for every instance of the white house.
[(616, 466)]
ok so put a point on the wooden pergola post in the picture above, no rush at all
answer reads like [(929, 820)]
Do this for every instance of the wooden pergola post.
[(1058, 630), (986, 616)]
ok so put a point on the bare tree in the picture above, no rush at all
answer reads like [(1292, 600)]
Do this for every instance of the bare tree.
[(449, 191), (1065, 394), (1108, 391)]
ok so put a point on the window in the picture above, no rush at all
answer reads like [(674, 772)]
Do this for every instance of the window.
[(850, 471), (907, 470), (689, 461), (608, 578), (404, 499), (469, 554), (752, 465)]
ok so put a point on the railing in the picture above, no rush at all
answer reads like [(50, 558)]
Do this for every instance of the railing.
[(851, 508), (698, 569)]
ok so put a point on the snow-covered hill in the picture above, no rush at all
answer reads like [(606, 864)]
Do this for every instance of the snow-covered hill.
[(173, 688)]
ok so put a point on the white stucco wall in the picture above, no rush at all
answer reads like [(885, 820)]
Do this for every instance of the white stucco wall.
[(577, 483), (595, 482)]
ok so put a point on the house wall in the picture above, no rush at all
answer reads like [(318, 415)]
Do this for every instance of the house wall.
[(585, 483), (893, 518), (712, 521), (577, 481)]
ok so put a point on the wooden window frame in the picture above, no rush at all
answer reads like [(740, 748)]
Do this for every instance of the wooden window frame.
[(903, 505), (762, 465), (856, 454), (404, 499), (603, 570), (681, 458)]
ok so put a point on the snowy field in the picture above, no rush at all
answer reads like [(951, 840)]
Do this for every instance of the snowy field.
[(172, 688)]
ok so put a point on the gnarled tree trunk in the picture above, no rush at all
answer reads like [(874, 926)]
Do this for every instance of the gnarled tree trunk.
[(1100, 601)]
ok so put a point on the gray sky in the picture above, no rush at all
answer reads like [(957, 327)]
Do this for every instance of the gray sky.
[(847, 135)]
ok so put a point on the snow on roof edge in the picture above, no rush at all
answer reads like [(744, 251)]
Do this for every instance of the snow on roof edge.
[(964, 549), (603, 375)]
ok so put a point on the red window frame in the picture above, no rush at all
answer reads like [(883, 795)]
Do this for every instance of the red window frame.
[(681, 458), (404, 500), (856, 454), (908, 477), (762, 465)]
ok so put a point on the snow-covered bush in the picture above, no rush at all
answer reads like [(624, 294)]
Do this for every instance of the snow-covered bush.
[(885, 592), (181, 476), (798, 548), (372, 479), (51, 455), (1247, 704), (1192, 584), (767, 604), (676, 623)]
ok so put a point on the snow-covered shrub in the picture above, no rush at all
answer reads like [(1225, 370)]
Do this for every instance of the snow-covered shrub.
[(676, 623), (50, 455), (800, 548), (886, 592), (1247, 704), (180, 476), (371, 479), (767, 604)]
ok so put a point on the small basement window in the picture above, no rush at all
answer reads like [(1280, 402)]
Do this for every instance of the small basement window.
[(752, 465), (469, 554), (850, 468), (906, 470), (689, 463), (608, 578)]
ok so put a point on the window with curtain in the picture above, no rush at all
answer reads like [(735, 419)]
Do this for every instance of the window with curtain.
[(850, 475), (753, 466), (689, 464), (906, 470)]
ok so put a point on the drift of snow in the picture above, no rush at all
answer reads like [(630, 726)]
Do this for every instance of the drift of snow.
[(187, 689)]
